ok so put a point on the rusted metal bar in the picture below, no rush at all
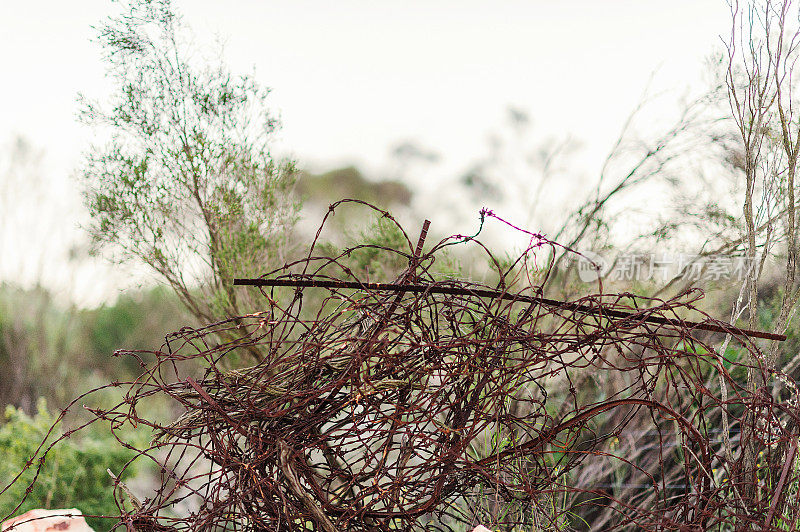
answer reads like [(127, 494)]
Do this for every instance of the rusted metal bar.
[(497, 294)]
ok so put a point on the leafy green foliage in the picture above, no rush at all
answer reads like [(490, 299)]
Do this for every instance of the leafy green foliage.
[(73, 474), (55, 351), (134, 321), (377, 262), (185, 182)]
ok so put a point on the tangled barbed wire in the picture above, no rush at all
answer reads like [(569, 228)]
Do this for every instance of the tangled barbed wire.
[(434, 403)]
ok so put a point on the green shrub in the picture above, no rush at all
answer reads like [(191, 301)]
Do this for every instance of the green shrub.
[(73, 474)]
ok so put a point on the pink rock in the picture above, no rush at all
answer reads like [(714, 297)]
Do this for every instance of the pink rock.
[(47, 521), (481, 528)]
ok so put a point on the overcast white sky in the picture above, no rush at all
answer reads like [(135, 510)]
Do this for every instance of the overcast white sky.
[(351, 78)]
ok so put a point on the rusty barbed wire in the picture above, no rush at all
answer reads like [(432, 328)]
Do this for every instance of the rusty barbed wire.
[(459, 403)]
